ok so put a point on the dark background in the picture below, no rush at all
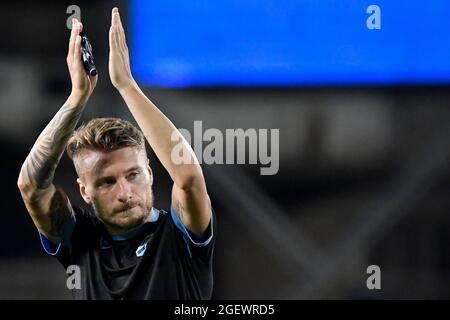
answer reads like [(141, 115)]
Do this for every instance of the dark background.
[(364, 173)]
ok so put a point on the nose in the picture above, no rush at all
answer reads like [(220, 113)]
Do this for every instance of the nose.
[(124, 193)]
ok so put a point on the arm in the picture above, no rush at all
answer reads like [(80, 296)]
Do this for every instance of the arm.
[(48, 205), (189, 195)]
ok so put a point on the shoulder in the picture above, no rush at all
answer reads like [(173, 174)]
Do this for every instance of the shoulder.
[(87, 224), (83, 215), (194, 245)]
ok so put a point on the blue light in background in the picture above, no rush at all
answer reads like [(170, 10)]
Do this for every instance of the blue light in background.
[(178, 43)]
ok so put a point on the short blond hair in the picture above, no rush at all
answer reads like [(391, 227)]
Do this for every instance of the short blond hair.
[(104, 134)]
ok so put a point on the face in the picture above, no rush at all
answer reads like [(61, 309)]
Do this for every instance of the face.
[(118, 184)]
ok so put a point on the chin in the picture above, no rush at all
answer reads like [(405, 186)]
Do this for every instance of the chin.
[(129, 218), (123, 221)]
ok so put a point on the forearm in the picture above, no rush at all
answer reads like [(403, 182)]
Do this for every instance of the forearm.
[(162, 136), (39, 167)]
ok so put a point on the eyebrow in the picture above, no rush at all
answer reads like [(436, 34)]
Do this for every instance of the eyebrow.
[(102, 179), (134, 168)]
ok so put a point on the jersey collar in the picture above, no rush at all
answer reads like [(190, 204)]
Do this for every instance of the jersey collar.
[(154, 215)]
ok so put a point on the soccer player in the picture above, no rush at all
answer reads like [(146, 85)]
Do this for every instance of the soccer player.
[(126, 248)]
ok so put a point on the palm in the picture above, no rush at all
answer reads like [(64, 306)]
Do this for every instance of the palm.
[(119, 60), (119, 69), (85, 82), (82, 83)]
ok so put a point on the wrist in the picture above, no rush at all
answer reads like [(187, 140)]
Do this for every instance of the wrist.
[(128, 87), (77, 99)]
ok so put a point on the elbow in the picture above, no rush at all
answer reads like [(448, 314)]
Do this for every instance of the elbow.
[(22, 184), (25, 187)]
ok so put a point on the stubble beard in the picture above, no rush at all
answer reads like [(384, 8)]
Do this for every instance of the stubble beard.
[(124, 221)]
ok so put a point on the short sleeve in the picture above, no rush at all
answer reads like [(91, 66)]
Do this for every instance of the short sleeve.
[(77, 230), (197, 246), (54, 249)]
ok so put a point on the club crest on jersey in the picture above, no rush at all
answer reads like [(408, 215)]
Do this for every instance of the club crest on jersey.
[(141, 250)]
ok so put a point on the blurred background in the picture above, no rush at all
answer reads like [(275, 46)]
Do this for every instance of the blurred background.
[(363, 117)]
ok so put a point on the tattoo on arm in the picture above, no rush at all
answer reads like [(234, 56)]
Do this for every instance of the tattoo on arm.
[(180, 210), (40, 165), (59, 212)]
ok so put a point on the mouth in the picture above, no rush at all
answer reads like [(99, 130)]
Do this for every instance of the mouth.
[(125, 209)]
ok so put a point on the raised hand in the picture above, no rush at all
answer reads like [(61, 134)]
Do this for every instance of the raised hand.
[(82, 83), (119, 59)]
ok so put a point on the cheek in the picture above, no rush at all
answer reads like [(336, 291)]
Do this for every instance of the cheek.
[(142, 190), (143, 178), (143, 182), (97, 205), (101, 200)]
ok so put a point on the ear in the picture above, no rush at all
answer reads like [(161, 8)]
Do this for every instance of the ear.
[(150, 171), (83, 192)]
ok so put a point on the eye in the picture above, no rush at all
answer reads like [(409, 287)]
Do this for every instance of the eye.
[(133, 175), (105, 183)]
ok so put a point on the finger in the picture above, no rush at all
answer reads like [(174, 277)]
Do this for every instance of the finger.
[(116, 33), (114, 27), (117, 24), (80, 27), (121, 38), (73, 33), (118, 19), (93, 80), (122, 41), (112, 39), (77, 50), (115, 19)]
